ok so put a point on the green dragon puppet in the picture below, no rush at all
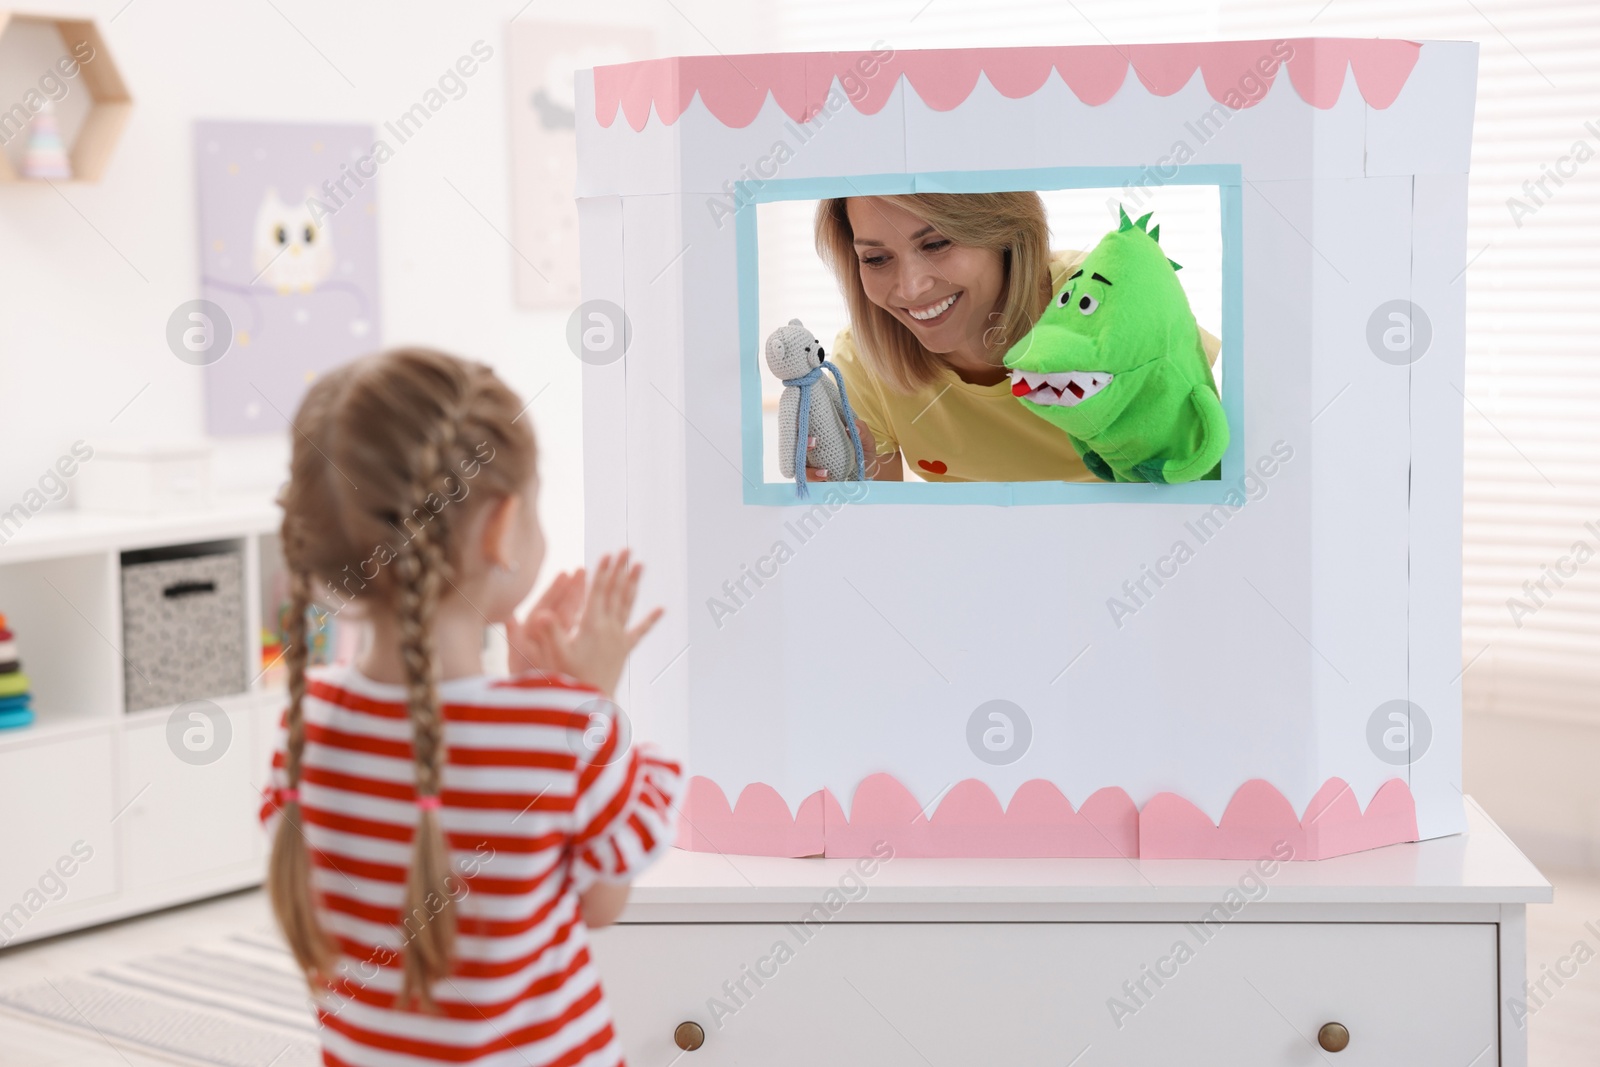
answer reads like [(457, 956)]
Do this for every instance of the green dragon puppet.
[(1116, 362)]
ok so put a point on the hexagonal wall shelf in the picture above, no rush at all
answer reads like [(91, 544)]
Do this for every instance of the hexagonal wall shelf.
[(109, 105)]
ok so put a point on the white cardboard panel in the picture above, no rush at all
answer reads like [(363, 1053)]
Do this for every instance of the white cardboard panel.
[(1258, 694), (875, 665), (656, 432), (605, 501), (1283, 137), (1438, 379), (1277, 274), (712, 155), (605, 264), (698, 154), (842, 142), (1361, 463), (1428, 128), (1275, 576), (869, 649), (617, 160), (992, 132), (1280, 137), (740, 739), (1275, 138)]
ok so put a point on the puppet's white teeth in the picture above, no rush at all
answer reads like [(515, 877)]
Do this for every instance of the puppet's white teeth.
[(1063, 388)]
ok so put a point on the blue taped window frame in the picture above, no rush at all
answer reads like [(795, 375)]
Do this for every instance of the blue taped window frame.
[(1228, 182)]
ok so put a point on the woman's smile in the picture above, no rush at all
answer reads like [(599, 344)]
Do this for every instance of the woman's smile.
[(935, 313)]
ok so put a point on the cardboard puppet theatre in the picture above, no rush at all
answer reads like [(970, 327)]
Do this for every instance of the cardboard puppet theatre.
[(1250, 633)]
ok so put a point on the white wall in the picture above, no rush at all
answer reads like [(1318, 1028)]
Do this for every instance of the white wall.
[(89, 274), (1536, 776)]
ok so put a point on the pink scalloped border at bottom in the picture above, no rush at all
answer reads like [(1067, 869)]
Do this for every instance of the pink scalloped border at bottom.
[(1041, 822)]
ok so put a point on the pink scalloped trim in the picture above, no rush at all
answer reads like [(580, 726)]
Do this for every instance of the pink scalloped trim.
[(759, 824), (970, 822), (1040, 822), (1258, 818), (734, 88), (967, 822)]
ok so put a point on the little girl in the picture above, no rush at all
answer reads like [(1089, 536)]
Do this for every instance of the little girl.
[(442, 839)]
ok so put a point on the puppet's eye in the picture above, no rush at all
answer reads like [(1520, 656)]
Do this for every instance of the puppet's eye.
[(1087, 304), (1065, 298)]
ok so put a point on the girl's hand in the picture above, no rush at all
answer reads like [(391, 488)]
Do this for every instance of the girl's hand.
[(591, 643), (601, 903), (561, 600)]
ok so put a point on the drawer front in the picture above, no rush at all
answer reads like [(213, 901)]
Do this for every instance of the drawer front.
[(182, 820), (1091, 994), (58, 846)]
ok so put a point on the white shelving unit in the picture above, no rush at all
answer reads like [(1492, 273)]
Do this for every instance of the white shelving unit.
[(102, 819)]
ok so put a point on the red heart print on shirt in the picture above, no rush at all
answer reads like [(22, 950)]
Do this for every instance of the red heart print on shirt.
[(935, 467)]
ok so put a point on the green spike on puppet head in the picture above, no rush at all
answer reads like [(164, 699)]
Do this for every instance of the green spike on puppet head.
[(1154, 232), (1124, 223)]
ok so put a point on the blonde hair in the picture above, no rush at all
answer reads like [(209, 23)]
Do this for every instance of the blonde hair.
[(380, 447), (1013, 224)]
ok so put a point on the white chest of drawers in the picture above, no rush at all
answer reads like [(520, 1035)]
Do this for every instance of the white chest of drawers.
[(1416, 951)]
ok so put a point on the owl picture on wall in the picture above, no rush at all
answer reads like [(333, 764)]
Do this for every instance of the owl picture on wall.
[(293, 254), (288, 259)]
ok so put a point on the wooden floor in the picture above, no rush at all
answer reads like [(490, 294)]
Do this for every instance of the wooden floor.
[(1564, 1032)]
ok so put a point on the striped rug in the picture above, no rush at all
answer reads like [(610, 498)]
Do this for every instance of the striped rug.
[(235, 1002)]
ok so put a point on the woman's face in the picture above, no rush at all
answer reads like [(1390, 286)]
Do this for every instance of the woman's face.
[(942, 291)]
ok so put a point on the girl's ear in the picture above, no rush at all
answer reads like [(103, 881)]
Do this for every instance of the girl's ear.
[(498, 526)]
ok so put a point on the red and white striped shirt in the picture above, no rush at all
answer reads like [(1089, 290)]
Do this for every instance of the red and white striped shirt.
[(540, 800)]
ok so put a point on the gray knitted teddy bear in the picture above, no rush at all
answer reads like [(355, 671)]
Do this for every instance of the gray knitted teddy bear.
[(812, 406)]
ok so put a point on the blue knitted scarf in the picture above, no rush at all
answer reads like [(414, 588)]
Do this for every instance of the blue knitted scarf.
[(804, 383)]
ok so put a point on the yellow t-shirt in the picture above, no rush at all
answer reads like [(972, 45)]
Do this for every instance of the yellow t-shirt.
[(954, 431)]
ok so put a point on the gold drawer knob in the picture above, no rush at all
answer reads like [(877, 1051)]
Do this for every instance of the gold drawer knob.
[(1333, 1037), (690, 1036)]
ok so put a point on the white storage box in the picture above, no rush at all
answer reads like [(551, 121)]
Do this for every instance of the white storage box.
[(145, 479)]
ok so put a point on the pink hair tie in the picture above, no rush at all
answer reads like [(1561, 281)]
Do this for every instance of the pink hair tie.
[(428, 803), (285, 796)]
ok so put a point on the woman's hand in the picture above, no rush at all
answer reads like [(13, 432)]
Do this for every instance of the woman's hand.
[(817, 474), (879, 468), (585, 633)]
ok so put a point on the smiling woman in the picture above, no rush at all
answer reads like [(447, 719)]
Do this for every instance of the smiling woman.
[(938, 287)]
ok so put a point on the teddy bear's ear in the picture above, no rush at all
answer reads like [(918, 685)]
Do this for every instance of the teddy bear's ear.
[(796, 322)]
